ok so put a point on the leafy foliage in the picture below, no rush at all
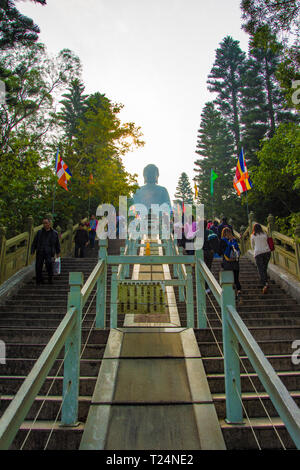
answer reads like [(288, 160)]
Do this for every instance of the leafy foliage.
[(16, 28)]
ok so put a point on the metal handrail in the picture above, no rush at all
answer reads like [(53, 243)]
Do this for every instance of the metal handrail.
[(279, 395), (235, 331), (91, 281), (16, 412)]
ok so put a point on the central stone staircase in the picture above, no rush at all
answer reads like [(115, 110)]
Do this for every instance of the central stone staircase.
[(28, 320)]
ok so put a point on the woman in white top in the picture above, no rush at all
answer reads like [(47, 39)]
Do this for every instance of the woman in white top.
[(262, 253)]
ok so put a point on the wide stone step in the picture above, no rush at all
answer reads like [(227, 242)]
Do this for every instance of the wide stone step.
[(34, 335), (40, 322), (33, 351), (18, 366), (9, 385), (241, 437), (273, 347), (60, 437), (259, 333), (48, 407), (255, 404), (215, 364), (256, 322), (291, 380)]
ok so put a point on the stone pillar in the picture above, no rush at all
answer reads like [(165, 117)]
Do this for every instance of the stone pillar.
[(2, 253)]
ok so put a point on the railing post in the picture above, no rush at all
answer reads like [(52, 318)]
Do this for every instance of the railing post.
[(69, 415), (2, 253), (175, 266), (114, 298), (271, 227), (30, 239), (180, 275), (101, 287), (242, 240), (251, 222), (126, 266), (189, 297), (200, 292), (234, 411), (122, 272), (297, 249), (70, 237)]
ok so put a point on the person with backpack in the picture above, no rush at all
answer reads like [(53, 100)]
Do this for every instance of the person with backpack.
[(230, 251), (222, 225), (262, 254), (214, 227)]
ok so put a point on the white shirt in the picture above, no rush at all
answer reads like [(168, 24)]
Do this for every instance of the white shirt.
[(259, 243)]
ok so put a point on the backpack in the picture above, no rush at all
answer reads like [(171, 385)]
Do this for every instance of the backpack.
[(214, 243), (271, 243)]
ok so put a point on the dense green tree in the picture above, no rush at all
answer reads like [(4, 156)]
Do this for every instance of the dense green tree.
[(215, 151), (16, 28), (73, 108), (254, 114), (32, 78), (288, 75), (267, 52), (277, 14), (225, 79), (184, 192), (276, 179)]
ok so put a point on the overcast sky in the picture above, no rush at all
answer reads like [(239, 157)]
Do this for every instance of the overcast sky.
[(153, 56)]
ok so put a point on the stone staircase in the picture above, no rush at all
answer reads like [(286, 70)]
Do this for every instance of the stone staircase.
[(27, 322), (274, 321)]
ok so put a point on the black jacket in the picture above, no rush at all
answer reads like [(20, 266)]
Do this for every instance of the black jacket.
[(46, 242), (81, 237)]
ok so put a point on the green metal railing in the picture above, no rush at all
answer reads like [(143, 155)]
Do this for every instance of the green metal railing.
[(69, 334), (235, 332)]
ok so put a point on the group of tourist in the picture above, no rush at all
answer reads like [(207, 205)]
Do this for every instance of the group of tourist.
[(219, 240)]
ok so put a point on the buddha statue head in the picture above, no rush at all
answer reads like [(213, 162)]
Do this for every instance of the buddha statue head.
[(151, 174)]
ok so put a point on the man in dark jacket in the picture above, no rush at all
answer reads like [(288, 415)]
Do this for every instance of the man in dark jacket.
[(81, 241), (46, 244)]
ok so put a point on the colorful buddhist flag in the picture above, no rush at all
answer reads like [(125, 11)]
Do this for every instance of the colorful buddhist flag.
[(196, 191), (241, 181), (62, 171), (213, 177)]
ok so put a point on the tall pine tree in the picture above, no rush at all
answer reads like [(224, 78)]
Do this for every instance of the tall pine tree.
[(184, 192), (215, 147), (225, 79), (74, 107)]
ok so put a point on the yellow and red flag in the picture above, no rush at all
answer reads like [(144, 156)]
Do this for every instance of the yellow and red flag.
[(62, 171), (241, 181)]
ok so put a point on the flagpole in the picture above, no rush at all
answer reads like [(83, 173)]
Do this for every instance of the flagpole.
[(53, 202), (89, 205), (247, 205)]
